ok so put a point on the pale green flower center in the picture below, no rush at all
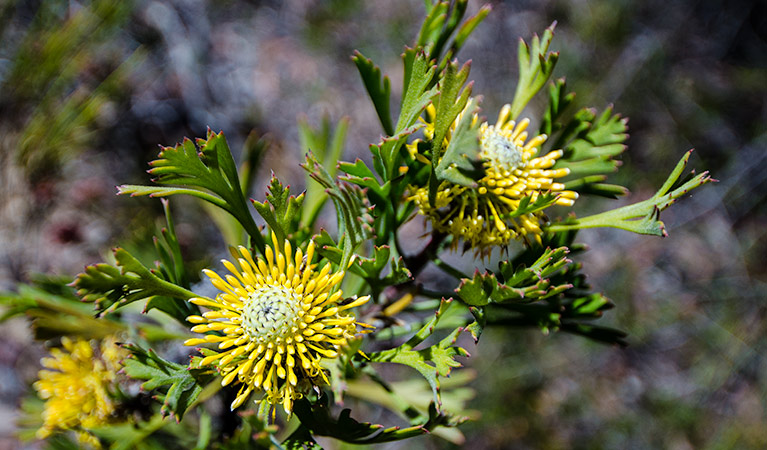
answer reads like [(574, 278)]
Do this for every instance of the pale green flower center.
[(500, 151), (271, 314)]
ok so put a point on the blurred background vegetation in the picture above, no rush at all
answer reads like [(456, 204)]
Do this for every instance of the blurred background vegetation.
[(89, 89)]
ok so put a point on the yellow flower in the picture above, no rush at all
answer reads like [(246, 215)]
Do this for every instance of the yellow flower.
[(276, 320), (77, 387), (485, 216)]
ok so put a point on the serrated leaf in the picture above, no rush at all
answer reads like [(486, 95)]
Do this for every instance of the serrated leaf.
[(386, 154), (204, 169), (351, 208), (540, 288), (476, 327), (590, 144), (474, 292), (399, 273), (442, 20), (378, 87), (516, 283), (536, 64), (183, 384), (359, 174), (418, 93), (467, 28), (358, 169), (460, 163), (559, 101), (641, 217), (431, 362), (281, 211), (452, 99), (329, 250), (373, 266), (111, 287)]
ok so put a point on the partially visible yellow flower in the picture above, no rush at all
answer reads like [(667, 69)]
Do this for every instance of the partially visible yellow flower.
[(276, 320), (77, 385), (484, 217)]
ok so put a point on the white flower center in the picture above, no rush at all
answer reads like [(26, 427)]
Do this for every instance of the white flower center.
[(271, 313), (500, 151)]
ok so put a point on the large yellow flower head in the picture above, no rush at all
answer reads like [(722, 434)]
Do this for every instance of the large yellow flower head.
[(77, 385), (276, 321), (486, 216)]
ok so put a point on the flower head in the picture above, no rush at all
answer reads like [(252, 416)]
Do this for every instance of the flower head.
[(77, 385), (488, 216), (277, 319)]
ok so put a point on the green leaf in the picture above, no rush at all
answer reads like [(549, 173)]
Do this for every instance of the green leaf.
[(112, 287), (567, 313), (327, 145), (329, 250), (318, 419), (56, 315), (442, 20), (433, 25), (399, 273), (361, 175), (301, 439), (389, 149), (559, 100), (517, 284), (373, 266), (549, 294), (431, 362), (642, 217), (378, 87), (452, 99), (480, 321), (281, 211), (412, 400), (460, 163), (253, 150), (204, 169), (527, 205), (417, 93), (179, 385), (539, 288), (169, 250), (466, 29), (536, 65), (590, 144), (351, 208)]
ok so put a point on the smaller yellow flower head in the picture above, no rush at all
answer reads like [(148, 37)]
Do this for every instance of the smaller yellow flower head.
[(76, 386), (277, 320), (484, 217)]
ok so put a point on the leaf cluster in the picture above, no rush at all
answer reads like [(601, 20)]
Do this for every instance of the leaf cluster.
[(177, 386), (550, 293), (204, 169)]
